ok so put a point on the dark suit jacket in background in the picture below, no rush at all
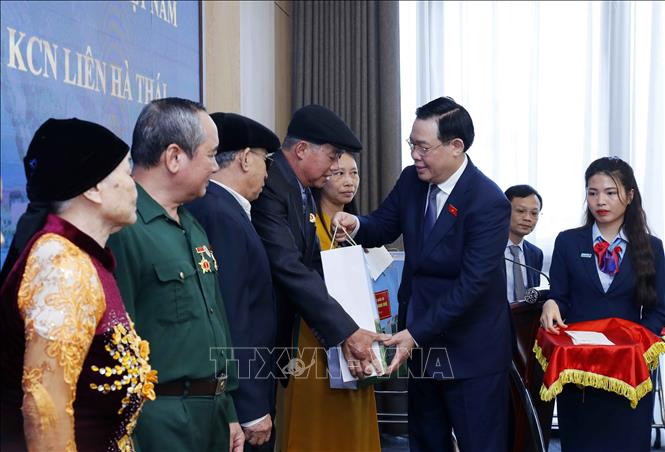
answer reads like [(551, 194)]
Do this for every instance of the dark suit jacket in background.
[(295, 260), (577, 290), (456, 279), (533, 256), (247, 293)]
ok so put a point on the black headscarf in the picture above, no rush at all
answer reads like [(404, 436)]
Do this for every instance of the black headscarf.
[(65, 158)]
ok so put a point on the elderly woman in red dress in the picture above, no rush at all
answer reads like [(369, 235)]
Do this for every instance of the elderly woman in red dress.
[(74, 372)]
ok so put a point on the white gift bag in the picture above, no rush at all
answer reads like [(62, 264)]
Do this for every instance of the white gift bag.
[(348, 281)]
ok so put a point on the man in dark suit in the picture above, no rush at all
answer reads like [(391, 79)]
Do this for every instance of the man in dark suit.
[(244, 153), (526, 205), (454, 317), (284, 217)]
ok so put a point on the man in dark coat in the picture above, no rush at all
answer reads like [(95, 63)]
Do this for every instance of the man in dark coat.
[(454, 317), (284, 217), (243, 156), (526, 204)]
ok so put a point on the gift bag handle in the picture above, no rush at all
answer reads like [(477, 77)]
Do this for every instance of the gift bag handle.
[(348, 237)]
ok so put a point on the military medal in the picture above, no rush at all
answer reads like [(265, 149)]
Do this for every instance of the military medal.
[(312, 218), (205, 263)]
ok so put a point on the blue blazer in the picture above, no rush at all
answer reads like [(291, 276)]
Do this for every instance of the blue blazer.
[(455, 281), (533, 256), (577, 290), (247, 292)]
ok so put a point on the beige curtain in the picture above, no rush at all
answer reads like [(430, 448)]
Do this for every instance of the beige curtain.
[(346, 57)]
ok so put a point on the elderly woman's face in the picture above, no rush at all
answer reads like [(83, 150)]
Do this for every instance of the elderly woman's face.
[(118, 192), (343, 184)]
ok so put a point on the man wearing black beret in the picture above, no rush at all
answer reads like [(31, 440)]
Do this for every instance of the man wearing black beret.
[(244, 154), (284, 217)]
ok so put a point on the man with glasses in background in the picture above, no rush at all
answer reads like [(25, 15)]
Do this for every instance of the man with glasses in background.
[(526, 206), (454, 318), (244, 155)]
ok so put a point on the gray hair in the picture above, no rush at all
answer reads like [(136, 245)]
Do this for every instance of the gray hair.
[(290, 142), (163, 122), (224, 159)]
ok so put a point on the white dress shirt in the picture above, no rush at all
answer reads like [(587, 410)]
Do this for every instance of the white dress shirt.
[(244, 203), (446, 187)]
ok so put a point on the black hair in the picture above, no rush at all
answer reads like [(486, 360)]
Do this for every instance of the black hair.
[(351, 207), (453, 119), (523, 191), (634, 225)]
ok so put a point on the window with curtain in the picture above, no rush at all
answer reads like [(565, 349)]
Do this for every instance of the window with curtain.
[(550, 86)]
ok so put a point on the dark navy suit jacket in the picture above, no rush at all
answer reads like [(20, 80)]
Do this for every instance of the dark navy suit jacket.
[(533, 256), (577, 290), (247, 292), (456, 279), (295, 260)]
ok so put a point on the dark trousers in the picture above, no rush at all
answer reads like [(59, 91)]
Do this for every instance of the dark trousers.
[(475, 408), (594, 420)]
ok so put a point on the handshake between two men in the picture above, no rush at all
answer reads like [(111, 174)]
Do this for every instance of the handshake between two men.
[(357, 348)]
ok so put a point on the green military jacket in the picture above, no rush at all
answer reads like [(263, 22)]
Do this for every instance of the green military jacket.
[(167, 275)]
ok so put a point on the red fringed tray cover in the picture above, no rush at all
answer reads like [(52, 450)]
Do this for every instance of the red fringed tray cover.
[(623, 368)]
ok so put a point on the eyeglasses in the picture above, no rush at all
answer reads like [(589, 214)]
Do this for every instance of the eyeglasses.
[(525, 212), (267, 157), (421, 150)]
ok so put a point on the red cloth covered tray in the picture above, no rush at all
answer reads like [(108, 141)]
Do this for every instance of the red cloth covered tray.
[(623, 368)]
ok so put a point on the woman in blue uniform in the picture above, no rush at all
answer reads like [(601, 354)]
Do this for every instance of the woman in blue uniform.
[(610, 267)]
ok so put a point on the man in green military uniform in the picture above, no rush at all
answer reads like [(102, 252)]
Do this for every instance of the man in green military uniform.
[(167, 274)]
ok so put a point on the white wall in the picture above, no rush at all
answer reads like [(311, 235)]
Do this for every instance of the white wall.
[(248, 60), (257, 61)]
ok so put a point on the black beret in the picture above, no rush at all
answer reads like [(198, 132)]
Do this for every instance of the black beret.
[(237, 132), (320, 125), (68, 156)]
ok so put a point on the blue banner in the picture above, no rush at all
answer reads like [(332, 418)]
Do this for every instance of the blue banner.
[(98, 61)]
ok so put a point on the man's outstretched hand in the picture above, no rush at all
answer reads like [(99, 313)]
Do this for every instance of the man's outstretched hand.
[(357, 350), (404, 343)]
